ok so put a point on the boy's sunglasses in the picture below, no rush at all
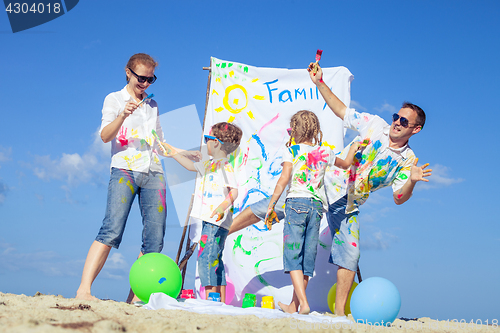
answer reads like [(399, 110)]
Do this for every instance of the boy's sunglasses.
[(209, 137), (143, 79), (402, 120), (289, 131)]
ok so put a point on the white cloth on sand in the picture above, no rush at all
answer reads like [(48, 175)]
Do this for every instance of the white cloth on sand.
[(162, 301)]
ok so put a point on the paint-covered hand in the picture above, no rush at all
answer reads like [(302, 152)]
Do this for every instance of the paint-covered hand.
[(192, 155), (168, 149), (315, 72), (130, 107), (270, 217), (419, 172), (219, 212), (355, 146)]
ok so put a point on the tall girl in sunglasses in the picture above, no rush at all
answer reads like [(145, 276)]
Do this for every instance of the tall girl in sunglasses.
[(304, 165), (128, 119)]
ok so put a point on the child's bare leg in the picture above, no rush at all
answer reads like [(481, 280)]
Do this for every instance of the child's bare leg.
[(297, 277), (96, 257), (131, 296), (294, 304), (210, 289), (222, 293)]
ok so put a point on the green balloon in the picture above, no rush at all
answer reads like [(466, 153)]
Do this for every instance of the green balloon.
[(155, 273)]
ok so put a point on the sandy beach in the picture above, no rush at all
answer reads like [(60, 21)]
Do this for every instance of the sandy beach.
[(49, 313)]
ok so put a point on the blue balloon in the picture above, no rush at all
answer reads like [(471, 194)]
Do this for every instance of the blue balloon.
[(375, 301)]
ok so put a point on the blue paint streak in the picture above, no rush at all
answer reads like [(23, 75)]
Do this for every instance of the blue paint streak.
[(259, 142), (162, 280), (294, 150)]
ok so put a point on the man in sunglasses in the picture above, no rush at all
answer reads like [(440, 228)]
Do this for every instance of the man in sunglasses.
[(386, 160)]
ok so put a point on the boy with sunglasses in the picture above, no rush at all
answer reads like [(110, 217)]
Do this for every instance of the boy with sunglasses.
[(213, 203)]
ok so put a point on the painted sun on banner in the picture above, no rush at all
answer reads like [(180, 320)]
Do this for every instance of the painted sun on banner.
[(261, 102)]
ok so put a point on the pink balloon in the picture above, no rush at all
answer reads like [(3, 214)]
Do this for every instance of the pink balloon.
[(229, 291)]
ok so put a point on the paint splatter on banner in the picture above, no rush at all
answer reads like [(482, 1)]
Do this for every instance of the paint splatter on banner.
[(261, 102)]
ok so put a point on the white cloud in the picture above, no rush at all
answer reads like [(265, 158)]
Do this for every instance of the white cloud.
[(5, 153), (116, 268), (378, 241), (386, 107), (3, 190), (73, 168), (439, 178), (50, 263), (357, 106)]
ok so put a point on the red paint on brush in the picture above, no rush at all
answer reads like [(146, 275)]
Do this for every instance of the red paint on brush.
[(318, 55)]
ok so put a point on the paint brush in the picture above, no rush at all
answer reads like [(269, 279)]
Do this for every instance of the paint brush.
[(157, 138), (147, 97), (318, 58)]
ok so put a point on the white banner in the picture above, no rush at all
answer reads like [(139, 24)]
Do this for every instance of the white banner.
[(261, 102)]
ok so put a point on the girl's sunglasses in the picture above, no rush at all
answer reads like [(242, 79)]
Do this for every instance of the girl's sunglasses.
[(402, 120), (143, 79), (209, 137)]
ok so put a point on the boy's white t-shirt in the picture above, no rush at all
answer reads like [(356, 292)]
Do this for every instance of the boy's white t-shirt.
[(217, 178), (309, 165)]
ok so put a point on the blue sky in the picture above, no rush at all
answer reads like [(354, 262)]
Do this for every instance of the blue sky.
[(439, 248)]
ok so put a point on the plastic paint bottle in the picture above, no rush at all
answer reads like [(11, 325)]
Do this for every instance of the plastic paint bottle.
[(267, 302), (214, 297), (250, 300)]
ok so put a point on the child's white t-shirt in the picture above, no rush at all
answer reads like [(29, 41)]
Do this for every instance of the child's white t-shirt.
[(217, 179), (309, 165)]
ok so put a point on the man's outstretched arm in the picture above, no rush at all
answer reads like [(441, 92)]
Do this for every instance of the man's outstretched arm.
[(335, 104), (417, 174)]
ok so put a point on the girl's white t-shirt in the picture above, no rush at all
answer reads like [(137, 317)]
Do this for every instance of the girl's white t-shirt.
[(308, 171)]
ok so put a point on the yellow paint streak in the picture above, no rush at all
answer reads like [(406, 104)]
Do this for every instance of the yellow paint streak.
[(324, 143), (217, 80), (235, 101), (250, 114), (215, 263), (260, 98), (231, 73), (230, 120), (215, 92), (124, 200), (219, 109), (255, 80), (129, 184)]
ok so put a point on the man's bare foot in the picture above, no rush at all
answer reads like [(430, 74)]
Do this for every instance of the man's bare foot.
[(287, 308), (86, 297), (304, 310)]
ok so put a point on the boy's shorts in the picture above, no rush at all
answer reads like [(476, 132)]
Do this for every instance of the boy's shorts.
[(210, 265), (301, 234), (345, 233), (259, 208)]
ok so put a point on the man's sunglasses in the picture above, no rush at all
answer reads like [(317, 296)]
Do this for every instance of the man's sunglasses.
[(209, 137), (143, 79), (402, 120)]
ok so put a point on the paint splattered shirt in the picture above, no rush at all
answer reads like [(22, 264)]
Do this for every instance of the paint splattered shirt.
[(375, 167), (134, 147), (309, 166), (217, 176)]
